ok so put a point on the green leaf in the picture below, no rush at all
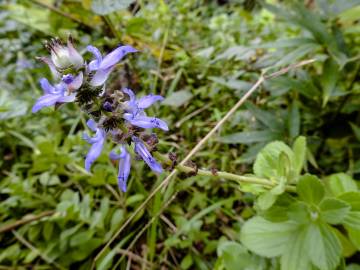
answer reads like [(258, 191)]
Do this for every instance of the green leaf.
[(266, 200), (186, 262), (352, 198), (340, 183), (266, 118), (329, 79), (266, 238), (248, 137), (353, 220), (267, 160), (294, 256), (356, 130), (104, 7), (178, 98), (299, 149), (348, 248), (293, 120), (310, 189), (48, 230), (299, 212), (354, 236), (334, 211), (322, 246)]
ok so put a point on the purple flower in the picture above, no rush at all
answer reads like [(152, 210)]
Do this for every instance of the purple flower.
[(97, 143), (73, 83), (53, 94), (104, 66), (144, 153), (124, 166), (135, 114)]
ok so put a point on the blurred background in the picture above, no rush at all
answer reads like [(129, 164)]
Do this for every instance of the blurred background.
[(202, 56)]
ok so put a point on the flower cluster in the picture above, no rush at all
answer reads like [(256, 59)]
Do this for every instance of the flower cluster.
[(117, 114)]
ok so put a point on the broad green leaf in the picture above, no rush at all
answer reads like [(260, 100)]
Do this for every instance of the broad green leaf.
[(266, 238), (299, 149), (340, 183), (186, 262), (322, 246), (310, 189), (296, 54), (267, 160), (104, 7), (81, 238), (248, 137), (294, 255), (178, 98), (334, 211)]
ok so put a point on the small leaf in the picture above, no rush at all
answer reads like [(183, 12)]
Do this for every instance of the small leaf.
[(266, 238), (352, 198), (267, 160), (340, 183), (334, 211), (104, 7), (293, 120), (310, 189), (248, 137), (329, 79), (353, 220), (354, 236), (178, 98), (299, 149), (266, 200), (186, 262)]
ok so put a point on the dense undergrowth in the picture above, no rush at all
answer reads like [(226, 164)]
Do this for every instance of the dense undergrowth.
[(299, 133)]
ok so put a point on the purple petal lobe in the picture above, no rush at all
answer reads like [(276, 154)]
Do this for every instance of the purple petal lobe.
[(130, 93), (94, 64), (100, 76), (93, 154), (45, 101), (148, 100), (91, 124), (144, 153), (68, 78), (115, 56), (146, 122), (66, 99), (46, 86), (77, 82), (124, 168)]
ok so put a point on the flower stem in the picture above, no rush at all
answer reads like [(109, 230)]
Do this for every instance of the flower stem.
[(241, 179)]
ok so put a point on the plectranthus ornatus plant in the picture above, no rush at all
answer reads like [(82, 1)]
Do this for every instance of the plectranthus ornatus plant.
[(115, 114)]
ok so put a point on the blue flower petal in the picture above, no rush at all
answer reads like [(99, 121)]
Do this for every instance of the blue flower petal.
[(46, 86), (45, 101), (94, 64), (124, 168), (144, 153), (146, 122), (115, 56), (148, 100), (91, 124), (101, 76), (93, 154)]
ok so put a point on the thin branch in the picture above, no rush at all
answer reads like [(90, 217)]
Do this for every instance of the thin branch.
[(199, 145), (25, 220)]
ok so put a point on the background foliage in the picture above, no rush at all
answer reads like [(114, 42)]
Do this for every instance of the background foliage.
[(202, 55)]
